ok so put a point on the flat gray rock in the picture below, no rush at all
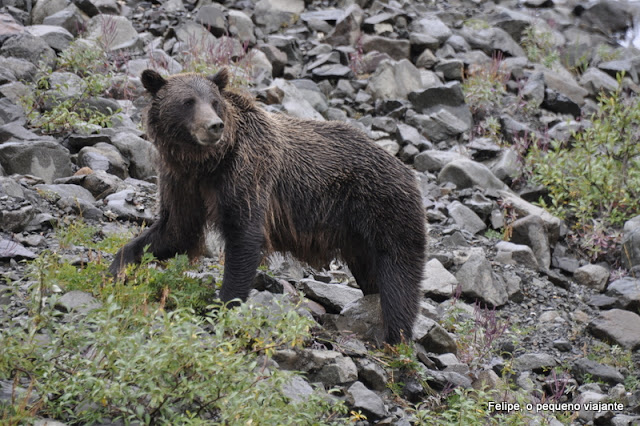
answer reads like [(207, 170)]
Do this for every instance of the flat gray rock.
[(43, 158), (468, 173), (77, 301), (618, 326), (14, 250), (333, 296), (596, 371), (627, 291)]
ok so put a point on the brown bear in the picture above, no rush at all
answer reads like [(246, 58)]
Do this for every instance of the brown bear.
[(272, 182)]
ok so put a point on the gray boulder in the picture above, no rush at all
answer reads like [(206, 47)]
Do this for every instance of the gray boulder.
[(594, 276), (334, 297), (448, 96), (437, 281), (467, 173), (114, 32), (523, 208), (363, 317), (618, 326), (492, 40), (510, 253), (103, 156), (477, 280), (530, 231), (295, 103), (367, 401), (434, 160), (433, 337), (596, 371), (30, 48), (465, 218), (627, 291), (14, 250), (597, 82), (140, 153), (77, 301), (44, 158), (394, 80), (44, 8), (272, 15), (56, 37)]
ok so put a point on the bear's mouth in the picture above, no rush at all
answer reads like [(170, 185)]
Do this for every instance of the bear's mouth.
[(208, 136)]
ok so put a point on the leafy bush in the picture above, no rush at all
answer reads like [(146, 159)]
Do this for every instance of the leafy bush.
[(163, 368), (484, 86), (471, 407), (595, 178), (205, 57), (51, 108), (539, 46)]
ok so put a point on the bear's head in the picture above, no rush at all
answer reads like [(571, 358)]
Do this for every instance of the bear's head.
[(187, 108)]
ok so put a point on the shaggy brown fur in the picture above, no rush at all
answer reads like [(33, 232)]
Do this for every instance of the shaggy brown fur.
[(274, 182)]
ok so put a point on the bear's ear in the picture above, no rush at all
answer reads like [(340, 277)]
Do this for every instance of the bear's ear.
[(221, 78), (152, 81)]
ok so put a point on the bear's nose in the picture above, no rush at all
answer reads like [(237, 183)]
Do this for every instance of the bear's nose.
[(216, 126)]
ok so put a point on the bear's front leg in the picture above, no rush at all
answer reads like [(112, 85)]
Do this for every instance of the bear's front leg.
[(242, 258), (178, 230)]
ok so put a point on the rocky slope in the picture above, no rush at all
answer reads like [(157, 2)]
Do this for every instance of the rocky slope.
[(402, 72)]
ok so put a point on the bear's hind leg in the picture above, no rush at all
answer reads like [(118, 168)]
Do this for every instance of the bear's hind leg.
[(399, 298), (363, 268)]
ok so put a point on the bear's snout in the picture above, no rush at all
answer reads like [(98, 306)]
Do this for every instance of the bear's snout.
[(208, 126), (215, 128)]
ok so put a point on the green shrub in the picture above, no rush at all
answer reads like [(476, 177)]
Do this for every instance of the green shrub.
[(163, 368), (597, 176), (53, 111), (539, 46), (485, 86)]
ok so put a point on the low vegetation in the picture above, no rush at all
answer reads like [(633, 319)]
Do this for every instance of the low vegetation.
[(153, 353), (70, 106)]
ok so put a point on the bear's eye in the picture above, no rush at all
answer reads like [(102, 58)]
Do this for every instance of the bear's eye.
[(214, 104), (189, 102)]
